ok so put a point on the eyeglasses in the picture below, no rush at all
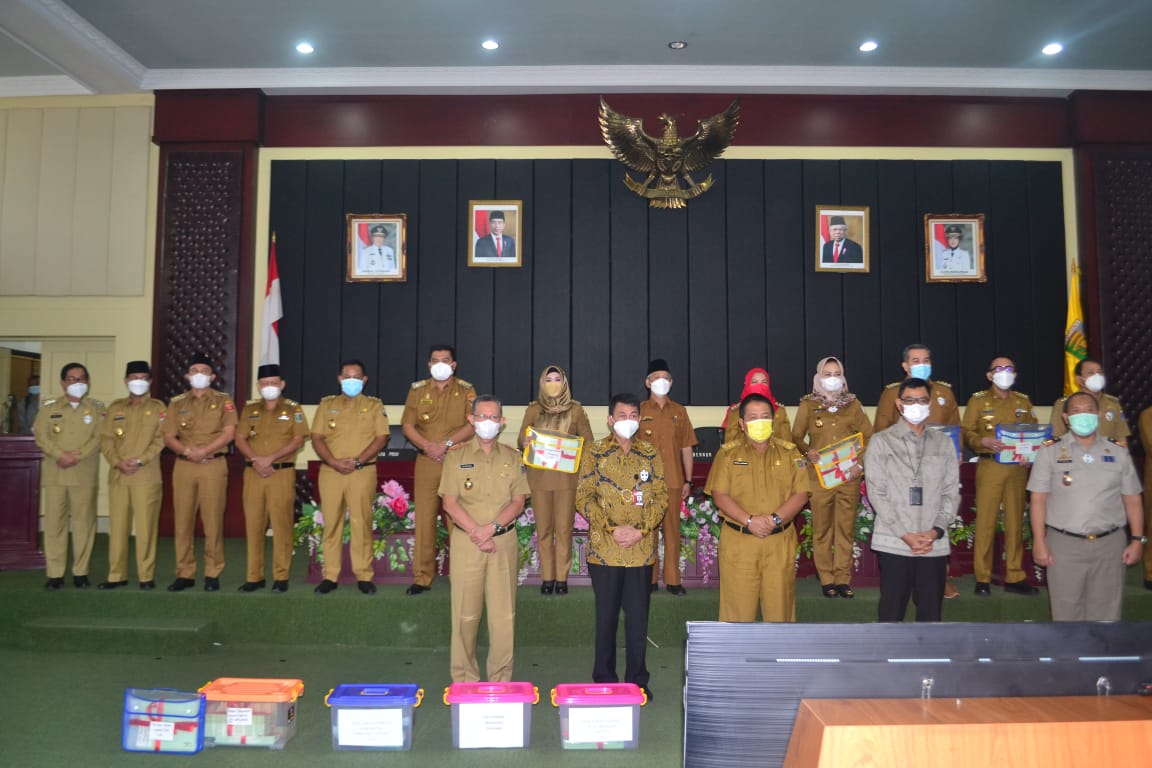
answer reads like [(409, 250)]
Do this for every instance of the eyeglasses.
[(915, 400), (1003, 369)]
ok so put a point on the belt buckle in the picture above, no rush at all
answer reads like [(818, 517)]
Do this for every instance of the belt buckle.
[(1091, 536)]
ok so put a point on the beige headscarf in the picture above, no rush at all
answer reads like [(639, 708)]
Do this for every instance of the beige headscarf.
[(826, 398), (555, 412)]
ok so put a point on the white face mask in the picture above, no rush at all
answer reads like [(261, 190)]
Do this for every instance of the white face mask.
[(833, 383), (916, 413), (77, 390), (200, 380), (139, 386), (270, 393), (1004, 379), (441, 371), (1095, 382), (661, 387), (487, 430), (625, 428)]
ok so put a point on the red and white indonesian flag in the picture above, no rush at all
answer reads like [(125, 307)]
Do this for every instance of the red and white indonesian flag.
[(273, 311)]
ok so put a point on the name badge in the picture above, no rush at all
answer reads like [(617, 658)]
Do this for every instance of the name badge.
[(1108, 459), (740, 463), (467, 466)]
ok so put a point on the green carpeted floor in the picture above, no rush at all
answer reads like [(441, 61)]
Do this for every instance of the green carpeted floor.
[(66, 658)]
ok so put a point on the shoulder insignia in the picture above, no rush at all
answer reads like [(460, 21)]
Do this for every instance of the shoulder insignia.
[(785, 444), (180, 396), (254, 401), (981, 393), (291, 403), (1119, 442), (51, 401), (892, 385), (465, 384), (326, 398), (807, 397), (942, 383), (1050, 441), (734, 442), (97, 404), (418, 384)]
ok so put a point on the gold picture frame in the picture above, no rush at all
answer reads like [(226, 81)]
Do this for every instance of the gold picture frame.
[(377, 247), (847, 250), (954, 248), (482, 240)]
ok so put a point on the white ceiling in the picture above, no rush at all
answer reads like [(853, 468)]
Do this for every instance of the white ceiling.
[(432, 46)]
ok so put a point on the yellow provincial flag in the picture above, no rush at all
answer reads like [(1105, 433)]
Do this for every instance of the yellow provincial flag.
[(1075, 342)]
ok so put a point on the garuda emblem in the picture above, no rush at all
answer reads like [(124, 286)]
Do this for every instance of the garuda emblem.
[(668, 160)]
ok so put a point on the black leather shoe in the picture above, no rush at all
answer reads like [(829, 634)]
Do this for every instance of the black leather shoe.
[(181, 584), (1021, 587), (845, 591), (111, 584), (547, 587), (653, 588), (211, 584), (325, 587), (983, 589), (416, 589), (1147, 583), (146, 585), (53, 584), (81, 582), (676, 589), (561, 587), (250, 586), (366, 587), (280, 586)]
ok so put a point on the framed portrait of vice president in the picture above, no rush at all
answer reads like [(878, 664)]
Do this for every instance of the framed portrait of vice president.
[(842, 239), (494, 229)]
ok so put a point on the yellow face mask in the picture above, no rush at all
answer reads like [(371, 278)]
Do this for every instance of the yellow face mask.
[(553, 388), (759, 430)]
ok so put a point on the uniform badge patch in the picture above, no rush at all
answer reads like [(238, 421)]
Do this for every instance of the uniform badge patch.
[(644, 476)]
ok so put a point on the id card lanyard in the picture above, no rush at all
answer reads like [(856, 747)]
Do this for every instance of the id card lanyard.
[(916, 491)]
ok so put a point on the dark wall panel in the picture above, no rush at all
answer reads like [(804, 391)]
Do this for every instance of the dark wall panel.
[(512, 351), (628, 288), (862, 348), (474, 302), (899, 267), (708, 295), (747, 286), (323, 280), (591, 278), (549, 306), (400, 361)]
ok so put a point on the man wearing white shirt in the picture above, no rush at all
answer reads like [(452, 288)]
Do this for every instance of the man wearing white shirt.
[(377, 258)]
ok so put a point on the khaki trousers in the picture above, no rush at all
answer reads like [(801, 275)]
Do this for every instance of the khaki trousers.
[(480, 581), (670, 527), (203, 486), (555, 513), (60, 503), (1086, 578), (425, 487), (269, 500), (133, 507), (352, 493), (757, 573), (996, 485), (834, 530)]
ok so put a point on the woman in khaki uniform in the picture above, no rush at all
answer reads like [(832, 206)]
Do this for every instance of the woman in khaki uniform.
[(554, 493), (828, 414), (756, 381)]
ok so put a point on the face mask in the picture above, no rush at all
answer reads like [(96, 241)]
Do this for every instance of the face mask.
[(487, 430), (553, 388), (833, 384), (351, 387), (1004, 379), (922, 371), (625, 428), (661, 387), (270, 393), (759, 430), (916, 413), (1083, 424), (1095, 382), (34, 389), (139, 386), (441, 371), (77, 390), (199, 380)]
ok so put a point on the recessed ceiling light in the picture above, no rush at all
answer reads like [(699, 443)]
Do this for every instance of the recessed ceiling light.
[(869, 45), (1052, 49), (489, 45), (677, 45), (304, 48)]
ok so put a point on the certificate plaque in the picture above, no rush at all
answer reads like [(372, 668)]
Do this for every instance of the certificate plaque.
[(1023, 440), (548, 449), (837, 459)]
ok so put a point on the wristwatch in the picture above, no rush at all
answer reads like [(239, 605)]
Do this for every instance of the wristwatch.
[(1141, 539), (358, 465), (448, 443), (498, 529), (777, 520)]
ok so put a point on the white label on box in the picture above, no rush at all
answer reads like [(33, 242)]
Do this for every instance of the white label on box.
[(491, 725), (158, 730), (598, 725), (239, 716), (370, 727)]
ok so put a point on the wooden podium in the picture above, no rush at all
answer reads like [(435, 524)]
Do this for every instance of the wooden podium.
[(961, 733), (20, 506)]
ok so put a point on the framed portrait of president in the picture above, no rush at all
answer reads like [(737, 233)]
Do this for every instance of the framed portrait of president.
[(842, 238), (377, 247), (494, 228)]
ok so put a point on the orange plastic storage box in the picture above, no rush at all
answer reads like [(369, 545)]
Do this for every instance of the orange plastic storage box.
[(250, 711)]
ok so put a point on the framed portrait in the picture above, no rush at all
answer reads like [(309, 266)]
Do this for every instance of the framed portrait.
[(494, 233), (377, 247), (842, 238), (954, 248)]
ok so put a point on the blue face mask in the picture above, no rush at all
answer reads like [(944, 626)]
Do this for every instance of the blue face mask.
[(351, 387), (922, 371), (34, 389), (1083, 424)]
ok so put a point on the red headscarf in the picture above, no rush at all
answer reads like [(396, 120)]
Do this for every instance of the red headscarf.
[(753, 389)]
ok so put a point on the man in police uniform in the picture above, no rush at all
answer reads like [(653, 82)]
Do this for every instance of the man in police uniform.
[(760, 485), (348, 432), (998, 484), (198, 428), (665, 424), (622, 494), (435, 419), (1084, 491), (271, 432), (131, 441), (67, 430), (918, 364), (483, 487), (1090, 378)]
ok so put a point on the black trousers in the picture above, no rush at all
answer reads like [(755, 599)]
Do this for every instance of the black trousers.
[(911, 576), (617, 588)]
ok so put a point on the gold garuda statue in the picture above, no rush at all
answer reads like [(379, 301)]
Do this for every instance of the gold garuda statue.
[(668, 159)]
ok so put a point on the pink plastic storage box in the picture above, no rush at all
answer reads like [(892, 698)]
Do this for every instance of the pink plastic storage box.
[(491, 715), (599, 715)]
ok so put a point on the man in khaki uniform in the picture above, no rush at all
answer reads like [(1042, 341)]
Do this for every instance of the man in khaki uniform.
[(131, 441), (348, 432), (1090, 378), (998, 484), (435, 419), (67, 430), (918, 364), (760, 484), (483, 487), (665, 424), (198, 428), (272, 431)]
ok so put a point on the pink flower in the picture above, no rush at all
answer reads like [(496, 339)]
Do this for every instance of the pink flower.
[(318, 516), (399, 505), (684, 514), (393, 489), (581, 524), (530, 516)]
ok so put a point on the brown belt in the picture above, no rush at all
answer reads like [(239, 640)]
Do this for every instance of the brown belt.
[(743, 529)]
